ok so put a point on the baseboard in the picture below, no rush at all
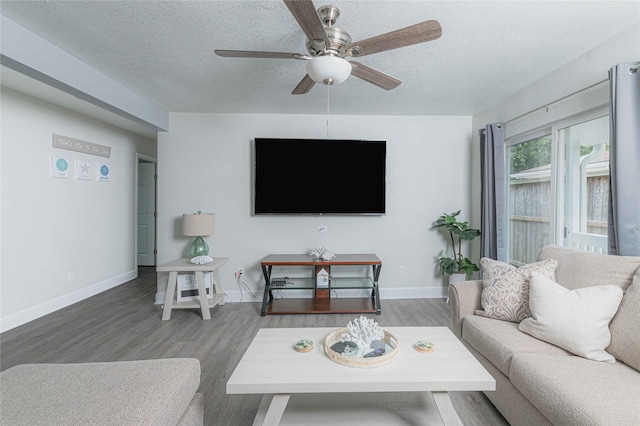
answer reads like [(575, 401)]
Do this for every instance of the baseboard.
[(45, 308), (385, 293), (413, 293)]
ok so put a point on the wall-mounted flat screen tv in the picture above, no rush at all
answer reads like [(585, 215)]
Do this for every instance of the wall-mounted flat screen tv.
[(319, 176)]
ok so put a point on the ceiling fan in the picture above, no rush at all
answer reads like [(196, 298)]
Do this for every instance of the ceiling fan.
[(328, 46)]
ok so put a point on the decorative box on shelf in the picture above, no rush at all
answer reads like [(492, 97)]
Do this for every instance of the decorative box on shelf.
[(188, 288)]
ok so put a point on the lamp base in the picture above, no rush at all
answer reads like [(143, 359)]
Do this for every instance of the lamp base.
[(198, 247)]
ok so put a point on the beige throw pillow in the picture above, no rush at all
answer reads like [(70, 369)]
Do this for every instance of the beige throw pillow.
[(505, 288), (625, 327), (575, 320)]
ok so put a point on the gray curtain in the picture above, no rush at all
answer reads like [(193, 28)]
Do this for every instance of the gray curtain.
[(493, 193), (624, 159)]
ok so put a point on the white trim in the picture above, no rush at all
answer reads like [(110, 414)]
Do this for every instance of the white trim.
[(527, 136), (439, 292), (558, 162), (385, 293), (45, 308)]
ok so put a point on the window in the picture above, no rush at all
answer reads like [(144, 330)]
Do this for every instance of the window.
[(529, 194), (586, 184), (558, 190)]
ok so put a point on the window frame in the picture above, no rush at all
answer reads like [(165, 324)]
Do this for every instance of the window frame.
[(557, 207)]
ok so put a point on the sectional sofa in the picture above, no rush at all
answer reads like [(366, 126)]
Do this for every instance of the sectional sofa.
[(146, 392), (540, 383)]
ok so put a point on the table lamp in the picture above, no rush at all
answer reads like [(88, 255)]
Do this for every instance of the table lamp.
[(198, 225)]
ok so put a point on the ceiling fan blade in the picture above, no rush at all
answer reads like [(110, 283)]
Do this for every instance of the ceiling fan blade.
[(374, 76), (305, 13), (304, 86), (257, 54), (414, 34)]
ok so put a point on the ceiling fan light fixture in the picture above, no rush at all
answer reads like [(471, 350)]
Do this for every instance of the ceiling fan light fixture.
[(329, 70)]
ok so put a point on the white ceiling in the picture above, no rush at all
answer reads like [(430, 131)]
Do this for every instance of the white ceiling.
[(164, 50)]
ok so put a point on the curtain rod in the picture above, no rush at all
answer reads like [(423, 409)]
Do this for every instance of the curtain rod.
[(554, 102)]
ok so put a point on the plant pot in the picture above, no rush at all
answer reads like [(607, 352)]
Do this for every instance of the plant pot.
[(460, 276), (454, 278)]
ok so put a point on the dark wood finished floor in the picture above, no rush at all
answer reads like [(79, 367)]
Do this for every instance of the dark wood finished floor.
[(124, 324)]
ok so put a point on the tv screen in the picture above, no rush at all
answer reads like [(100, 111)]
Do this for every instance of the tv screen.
[(319, 176)]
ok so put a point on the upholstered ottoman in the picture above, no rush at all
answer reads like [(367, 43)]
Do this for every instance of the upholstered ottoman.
[(150, 392)]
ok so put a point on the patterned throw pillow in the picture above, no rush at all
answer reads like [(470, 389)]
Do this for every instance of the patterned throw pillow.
[(505, 288)]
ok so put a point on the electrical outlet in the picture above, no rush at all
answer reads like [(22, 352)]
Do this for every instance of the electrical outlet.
[(239, 273), (402, 270), (70, 276)]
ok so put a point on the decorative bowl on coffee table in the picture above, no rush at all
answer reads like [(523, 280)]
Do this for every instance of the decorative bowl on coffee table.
[(391, 351)]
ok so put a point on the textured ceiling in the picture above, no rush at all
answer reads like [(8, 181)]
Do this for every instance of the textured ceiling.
[(164, 50)]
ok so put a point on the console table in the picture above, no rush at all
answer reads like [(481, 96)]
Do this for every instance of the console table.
[(204, 303), (321, 302)]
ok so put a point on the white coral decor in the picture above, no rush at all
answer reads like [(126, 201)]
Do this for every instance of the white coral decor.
[(363, 331), (320, 252)]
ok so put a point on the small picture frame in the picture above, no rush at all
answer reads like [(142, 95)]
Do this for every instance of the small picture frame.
[(83, 170), (103, 172), (60, 167)]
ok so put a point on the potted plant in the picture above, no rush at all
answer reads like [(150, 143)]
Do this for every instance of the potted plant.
[(458, 231)]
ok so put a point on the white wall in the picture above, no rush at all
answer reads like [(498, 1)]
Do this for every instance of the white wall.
[(204, 163), (53, 227), (580, 73)]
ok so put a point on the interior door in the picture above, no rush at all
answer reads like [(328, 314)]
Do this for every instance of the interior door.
[(146, 214)]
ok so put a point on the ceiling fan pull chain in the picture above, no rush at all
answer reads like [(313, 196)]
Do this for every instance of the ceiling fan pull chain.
[(328, 91)]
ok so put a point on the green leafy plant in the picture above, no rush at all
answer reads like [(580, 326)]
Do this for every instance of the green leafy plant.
[(458, 232)]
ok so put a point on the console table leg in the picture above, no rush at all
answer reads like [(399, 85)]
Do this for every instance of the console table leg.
[(202, 293), (267, 297), (172, 283), (376, 292), (218, 285), (445, 407), (271, 409)]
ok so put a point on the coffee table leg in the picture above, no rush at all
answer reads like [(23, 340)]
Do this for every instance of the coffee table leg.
[(445, 407), (271, 409)]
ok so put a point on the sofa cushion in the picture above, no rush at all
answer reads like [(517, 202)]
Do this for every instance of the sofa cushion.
[(577, 269), (625, 327), (505, 288), (150, 392), (499, 340), (577, 391), (576, 320), (194, 414)]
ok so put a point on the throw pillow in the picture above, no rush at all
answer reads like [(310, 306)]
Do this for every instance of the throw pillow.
[(505, 288), (625, 327), (575, 320)]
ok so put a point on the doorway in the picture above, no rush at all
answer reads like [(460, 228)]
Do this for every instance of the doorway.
[(146, 211)]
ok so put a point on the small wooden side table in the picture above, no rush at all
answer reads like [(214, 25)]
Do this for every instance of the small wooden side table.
[(205, 303)]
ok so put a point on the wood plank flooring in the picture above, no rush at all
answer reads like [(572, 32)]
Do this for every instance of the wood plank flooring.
[(124, 324)]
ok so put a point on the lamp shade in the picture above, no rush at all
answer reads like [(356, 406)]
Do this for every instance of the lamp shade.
[(196, 225), (328, 69)]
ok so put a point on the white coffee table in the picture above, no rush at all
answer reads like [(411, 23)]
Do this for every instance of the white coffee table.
[(416, 382)]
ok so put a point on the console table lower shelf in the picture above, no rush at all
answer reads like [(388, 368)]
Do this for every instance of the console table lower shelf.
[(322, 300), (322, 306)]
